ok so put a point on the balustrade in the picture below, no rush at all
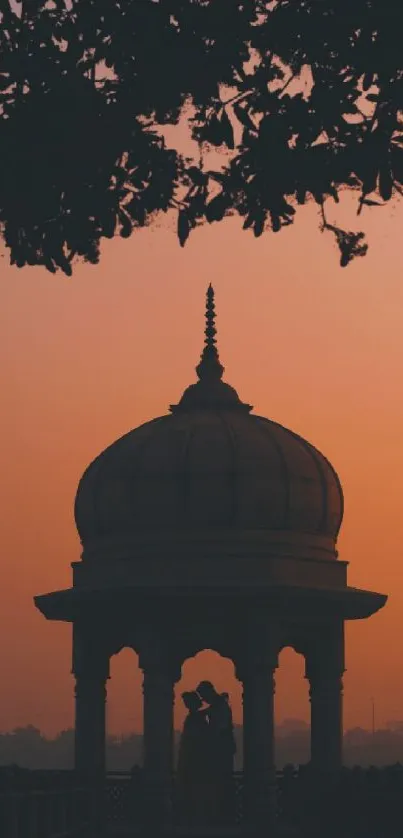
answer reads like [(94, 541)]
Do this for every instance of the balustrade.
[(46, 813), (357, 802)]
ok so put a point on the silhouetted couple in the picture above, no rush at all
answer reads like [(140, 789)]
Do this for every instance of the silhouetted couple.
[(206, 757)]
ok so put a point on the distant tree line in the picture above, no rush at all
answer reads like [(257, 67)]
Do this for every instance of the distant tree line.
[(28, 748), (302, 98)]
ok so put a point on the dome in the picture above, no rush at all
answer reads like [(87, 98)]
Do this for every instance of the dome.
[(210, 469)]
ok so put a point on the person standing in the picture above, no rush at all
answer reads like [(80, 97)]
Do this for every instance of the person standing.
[(193, 763), (221, 748)]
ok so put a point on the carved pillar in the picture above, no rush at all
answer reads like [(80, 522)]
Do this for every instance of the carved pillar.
[(160, 676), (91, 670), (259, 773), (324, 670), (90, 694)]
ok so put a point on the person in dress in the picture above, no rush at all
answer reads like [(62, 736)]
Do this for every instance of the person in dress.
[(193, 763)]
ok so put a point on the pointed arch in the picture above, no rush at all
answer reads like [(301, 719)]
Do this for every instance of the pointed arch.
[(210, 665), (124, 712), (292, 709)]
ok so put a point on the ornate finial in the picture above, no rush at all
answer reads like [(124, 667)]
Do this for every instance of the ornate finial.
[(210, 392), (209, 366)]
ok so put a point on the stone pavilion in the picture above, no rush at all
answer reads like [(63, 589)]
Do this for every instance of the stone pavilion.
[(209, 528)]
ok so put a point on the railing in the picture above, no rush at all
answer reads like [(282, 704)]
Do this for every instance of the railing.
[(124, 797), (358, 803), (62, 811), (354, 803)]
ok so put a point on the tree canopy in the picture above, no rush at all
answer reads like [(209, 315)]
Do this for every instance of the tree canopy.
[(301, 98)]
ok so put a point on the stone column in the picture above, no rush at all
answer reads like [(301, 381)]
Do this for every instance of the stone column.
[(324, 670), (326, 721), (158, 691), (259, 773), (91, 670), (90, 695)]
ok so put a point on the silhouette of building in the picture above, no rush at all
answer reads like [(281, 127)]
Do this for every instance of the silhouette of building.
[(209, 527)]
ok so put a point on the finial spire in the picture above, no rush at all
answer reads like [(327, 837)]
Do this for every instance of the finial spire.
[(209, 366), (210, 392)]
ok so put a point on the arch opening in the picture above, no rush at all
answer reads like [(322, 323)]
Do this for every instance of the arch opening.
[(124, 712), (292, 710), (209, 665)]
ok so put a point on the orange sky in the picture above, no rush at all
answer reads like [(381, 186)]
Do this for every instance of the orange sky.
[(315, 347)]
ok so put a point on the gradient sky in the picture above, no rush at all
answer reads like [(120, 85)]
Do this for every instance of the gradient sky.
[(84, 360)]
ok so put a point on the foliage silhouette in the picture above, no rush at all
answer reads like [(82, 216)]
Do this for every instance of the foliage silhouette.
[(303, 98)]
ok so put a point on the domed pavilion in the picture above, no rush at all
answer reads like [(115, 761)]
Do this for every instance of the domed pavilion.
[(209, 528)]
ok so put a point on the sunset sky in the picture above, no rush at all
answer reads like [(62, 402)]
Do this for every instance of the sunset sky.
[(84, 360)]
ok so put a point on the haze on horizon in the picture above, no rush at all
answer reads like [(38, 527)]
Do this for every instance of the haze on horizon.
[(29, 749), (312, 346)]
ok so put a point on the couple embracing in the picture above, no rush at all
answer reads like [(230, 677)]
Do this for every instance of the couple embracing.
[(206, 757)]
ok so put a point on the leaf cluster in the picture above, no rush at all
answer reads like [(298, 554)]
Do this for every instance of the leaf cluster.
[(301, 98)]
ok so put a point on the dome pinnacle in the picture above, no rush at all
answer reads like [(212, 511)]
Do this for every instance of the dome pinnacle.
[(210, 392), (209, 366)]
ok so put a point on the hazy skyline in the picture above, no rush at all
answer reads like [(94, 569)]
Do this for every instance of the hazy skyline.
[(84, 360), (27, 748)]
